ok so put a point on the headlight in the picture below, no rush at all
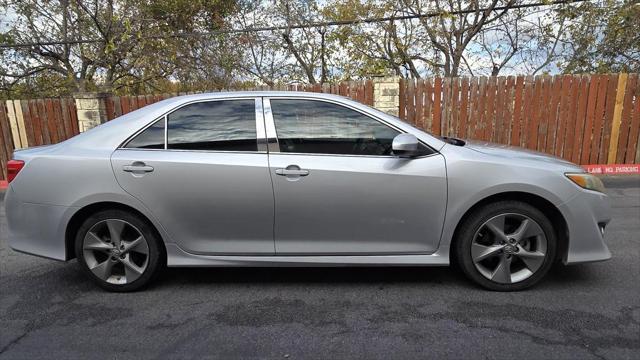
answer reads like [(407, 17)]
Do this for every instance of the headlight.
[(587, 181)]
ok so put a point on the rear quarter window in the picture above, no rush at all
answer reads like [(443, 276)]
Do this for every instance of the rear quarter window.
[(151, 138)]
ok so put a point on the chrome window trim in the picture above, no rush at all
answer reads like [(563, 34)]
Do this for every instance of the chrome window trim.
[(270, 123), (196, 151), (166, 127), (355, 155)]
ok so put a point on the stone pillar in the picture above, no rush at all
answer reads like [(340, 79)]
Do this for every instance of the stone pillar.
[(386, 94), (92, 110)]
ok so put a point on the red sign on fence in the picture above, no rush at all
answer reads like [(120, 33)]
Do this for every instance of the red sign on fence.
[(614, 169)]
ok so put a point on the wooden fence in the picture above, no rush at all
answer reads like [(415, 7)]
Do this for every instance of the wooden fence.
[(25, 123), (587, 119), (6, 143)]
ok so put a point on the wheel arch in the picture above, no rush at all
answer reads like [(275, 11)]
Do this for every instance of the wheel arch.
[(547, 207), (84, 212)]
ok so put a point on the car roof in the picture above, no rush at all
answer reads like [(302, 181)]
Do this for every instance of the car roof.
[(257, 93)]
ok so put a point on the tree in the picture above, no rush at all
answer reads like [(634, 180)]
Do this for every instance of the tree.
[(141, 46), (601, 37), (452, 34), (297, 53), (73, 21), (307, 45), (383, 48), (108, 45), (198, 62), (264, 58)]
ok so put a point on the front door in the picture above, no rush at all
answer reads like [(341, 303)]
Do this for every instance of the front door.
[(339, 190), (209, 184)]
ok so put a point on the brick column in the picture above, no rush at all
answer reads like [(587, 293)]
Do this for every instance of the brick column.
[(91, 110), (386, 94)]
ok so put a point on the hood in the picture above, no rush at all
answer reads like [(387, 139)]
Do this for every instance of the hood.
[(514, 152)]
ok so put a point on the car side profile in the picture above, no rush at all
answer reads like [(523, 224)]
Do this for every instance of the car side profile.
[(297, 179)]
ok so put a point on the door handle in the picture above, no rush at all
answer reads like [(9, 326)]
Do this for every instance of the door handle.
[(137, 167), (285, 172), (292, 170)]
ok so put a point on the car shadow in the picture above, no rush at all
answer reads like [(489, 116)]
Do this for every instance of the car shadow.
[(66, 278), (560, 276), (310, 275)]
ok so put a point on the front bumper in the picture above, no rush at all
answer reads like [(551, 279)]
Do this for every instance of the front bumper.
[(37, 229), (586, 214)]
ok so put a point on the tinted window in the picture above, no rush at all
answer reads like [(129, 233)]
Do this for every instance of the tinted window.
[(307, 126), (228, 125), (151, 138)]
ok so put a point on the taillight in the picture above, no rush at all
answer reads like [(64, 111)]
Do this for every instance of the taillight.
[(13, 168)]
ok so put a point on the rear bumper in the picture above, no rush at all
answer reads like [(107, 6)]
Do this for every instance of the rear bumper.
[(585, 215), (36, 229)]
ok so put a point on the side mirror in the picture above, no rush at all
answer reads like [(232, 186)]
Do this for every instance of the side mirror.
[(405, 145)]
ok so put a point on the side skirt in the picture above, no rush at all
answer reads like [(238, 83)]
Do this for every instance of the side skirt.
[(176, 257)]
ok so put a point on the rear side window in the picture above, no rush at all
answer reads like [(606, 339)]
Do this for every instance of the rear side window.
[(227, 125), (151, 138)]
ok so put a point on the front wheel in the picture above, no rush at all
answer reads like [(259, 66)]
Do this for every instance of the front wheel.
[(118, 250), (506, 246)]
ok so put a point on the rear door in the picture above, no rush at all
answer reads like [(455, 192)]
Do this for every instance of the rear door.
[(203, 172), (338, 188)]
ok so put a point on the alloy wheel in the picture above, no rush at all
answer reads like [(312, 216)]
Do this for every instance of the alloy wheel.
[(116, 251), (509, 248)]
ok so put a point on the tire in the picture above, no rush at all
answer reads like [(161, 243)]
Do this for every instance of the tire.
[(119, 250), (507, 260)]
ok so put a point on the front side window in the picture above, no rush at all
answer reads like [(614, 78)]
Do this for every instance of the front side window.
[(318, 127), (226, 125)]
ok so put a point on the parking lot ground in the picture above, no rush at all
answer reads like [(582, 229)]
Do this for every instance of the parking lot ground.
[(592, 311)]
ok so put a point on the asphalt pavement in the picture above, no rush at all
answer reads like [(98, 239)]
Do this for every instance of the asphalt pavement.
[(49, 310)]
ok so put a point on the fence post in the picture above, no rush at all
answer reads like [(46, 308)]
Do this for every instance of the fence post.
[(91, 109), (15, 118), (386, 94), (617, 119)]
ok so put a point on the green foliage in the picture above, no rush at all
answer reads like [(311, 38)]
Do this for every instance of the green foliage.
[(43, 85), (603, 38), (190, 15), (362, 43), (136, 50), (144, 46)]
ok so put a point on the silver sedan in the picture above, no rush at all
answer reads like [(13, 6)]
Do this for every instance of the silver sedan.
[(297, 179)]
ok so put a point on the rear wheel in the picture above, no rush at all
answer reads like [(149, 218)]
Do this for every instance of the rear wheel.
[(119, 250), (506, 246)]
